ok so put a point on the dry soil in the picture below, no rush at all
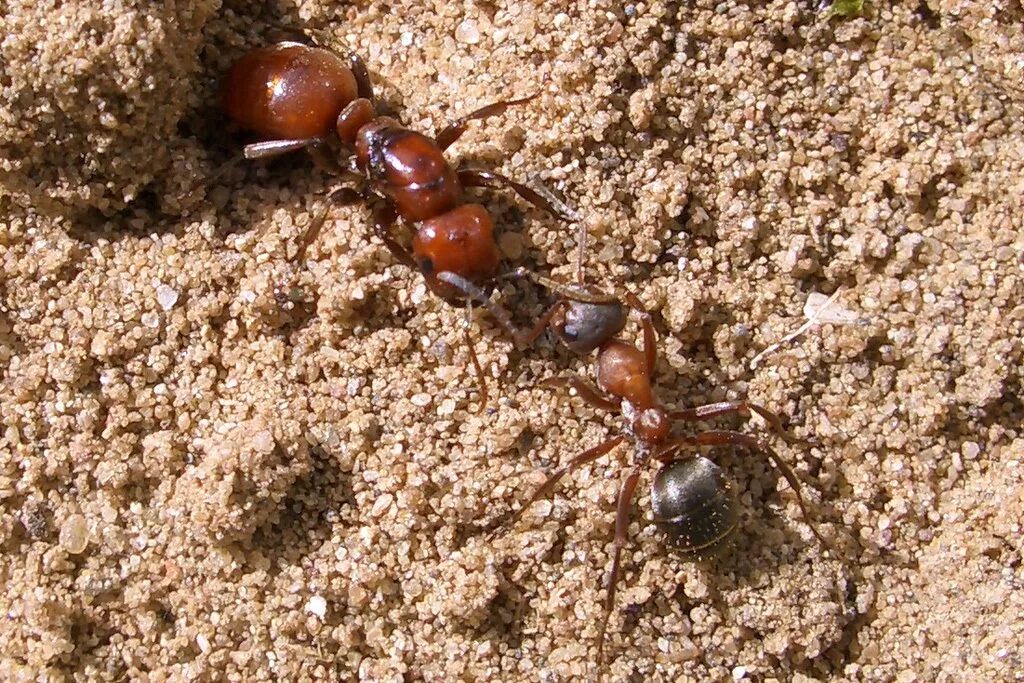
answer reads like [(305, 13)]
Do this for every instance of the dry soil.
[(224, 459)]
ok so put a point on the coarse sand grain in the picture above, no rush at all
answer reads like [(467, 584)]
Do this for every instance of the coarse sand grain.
[(226, 458)]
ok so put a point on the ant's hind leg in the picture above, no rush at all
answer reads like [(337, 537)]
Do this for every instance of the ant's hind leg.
[(475, 360), (454, 130), (621, 537), (539, 196)]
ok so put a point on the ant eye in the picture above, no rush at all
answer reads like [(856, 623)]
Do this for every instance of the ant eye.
[(426, 266)]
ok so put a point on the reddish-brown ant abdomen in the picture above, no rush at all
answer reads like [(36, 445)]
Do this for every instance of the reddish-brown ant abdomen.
[(288, 91), (461, 242)]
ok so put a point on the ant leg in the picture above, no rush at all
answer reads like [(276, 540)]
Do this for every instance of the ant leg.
[(383, 220), (454, 130), (520, 337), (581, 251), (730, 438), (273, 148), (584, 390), (539, 196), (713, 410), (312, 232), (583, 458), (570, 292), (364, 86), (621, 537), (481, 378), (524, 338), (345, 196)]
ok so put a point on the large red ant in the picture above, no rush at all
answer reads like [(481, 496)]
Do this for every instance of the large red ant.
[(300, 97), (692, 501)]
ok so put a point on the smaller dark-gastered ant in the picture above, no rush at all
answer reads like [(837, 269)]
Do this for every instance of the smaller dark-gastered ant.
[(296, 97), (692, 501)]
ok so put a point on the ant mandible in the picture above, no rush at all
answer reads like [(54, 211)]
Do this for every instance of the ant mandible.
[(300, 97), (692, 501)]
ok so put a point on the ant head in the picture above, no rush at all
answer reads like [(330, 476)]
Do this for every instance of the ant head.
[(693, 503), (651, 425)]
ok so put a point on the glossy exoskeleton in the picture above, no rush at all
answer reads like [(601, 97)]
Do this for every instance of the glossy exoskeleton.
[(295, 96), (693, 502)]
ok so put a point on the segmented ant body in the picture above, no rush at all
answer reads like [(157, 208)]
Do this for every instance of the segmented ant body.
[(692, 501), (302, 97)]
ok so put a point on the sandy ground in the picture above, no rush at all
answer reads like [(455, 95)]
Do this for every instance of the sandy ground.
[(220, 461)]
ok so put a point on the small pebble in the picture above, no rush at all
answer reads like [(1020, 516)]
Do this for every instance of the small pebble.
[(447, 407), (511, 245), (381, 505), (166, 297), (263, 442), (317, 606), (686, 649), (467, 32), (74, 534)]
